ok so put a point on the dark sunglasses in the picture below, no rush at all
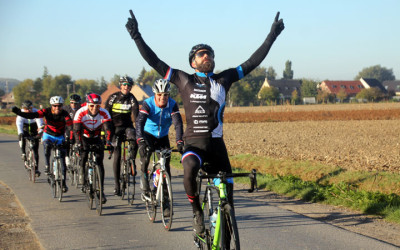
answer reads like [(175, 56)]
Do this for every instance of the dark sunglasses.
[(204, 52), (163, 94), (57, 106), (94, 105), (126, 83)]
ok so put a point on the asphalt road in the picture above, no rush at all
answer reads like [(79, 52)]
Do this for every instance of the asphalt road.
[(71, 225)]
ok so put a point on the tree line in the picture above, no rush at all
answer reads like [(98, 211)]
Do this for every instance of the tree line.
[(245, 92)]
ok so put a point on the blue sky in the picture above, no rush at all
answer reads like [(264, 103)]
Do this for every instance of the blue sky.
[(87, 38)]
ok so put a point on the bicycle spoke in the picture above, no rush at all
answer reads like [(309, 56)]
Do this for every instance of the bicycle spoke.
[(166, 202)]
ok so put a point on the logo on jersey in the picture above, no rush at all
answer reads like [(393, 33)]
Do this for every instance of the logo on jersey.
[(198, 96), (200, 110)]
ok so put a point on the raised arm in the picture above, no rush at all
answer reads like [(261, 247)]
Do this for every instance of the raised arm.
[(146, 52), (260, 54)]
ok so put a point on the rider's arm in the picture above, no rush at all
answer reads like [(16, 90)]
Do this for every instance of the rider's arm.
[(260, 54), (177, 120), (141, 120), (77, 128), (20, 124), (107, 130), (40, 123), (31, 115), (135, 107)]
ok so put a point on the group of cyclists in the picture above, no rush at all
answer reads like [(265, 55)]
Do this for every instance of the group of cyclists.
[(203, 94)]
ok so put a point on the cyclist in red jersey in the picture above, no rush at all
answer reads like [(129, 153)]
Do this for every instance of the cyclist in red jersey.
[(57, 119), (88, 123)]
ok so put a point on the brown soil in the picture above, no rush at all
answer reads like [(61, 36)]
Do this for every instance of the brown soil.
[(15, 230)]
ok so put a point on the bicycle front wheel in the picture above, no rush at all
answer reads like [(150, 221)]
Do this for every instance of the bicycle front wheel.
[(31, 163), (98, 194), (124, 166), (59, 181), (230, 232), (166, 201)]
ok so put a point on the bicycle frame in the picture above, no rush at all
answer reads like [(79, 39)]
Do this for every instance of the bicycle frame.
[(222, 201)]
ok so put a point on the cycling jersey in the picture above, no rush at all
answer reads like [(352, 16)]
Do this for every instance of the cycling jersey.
[(157, 121), (121, 107), (91, 126), (29, 127), (71, 112), (204, 94), (55, 124)]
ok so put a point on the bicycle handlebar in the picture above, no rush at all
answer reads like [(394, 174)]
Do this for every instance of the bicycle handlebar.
[(224, 175)]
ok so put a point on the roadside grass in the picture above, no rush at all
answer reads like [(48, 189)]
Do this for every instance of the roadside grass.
[(373, 193), (8, 129)]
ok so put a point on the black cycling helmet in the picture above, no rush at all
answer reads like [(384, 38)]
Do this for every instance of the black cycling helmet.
[(197, 48), (27, 104), (75, 98), (126, 79)]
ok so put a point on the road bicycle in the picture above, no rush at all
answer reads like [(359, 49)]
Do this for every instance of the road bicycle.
[(73, 169), (55, 177), (93, 186), (161, 189), (30, 162), (128, 170), (221, 230)]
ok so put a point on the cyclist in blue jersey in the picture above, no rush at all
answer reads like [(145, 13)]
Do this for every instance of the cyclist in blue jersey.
[(203, 94), (152, 126)]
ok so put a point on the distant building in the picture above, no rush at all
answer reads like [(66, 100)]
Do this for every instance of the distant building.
[(7, 100), (373, 83), (284, 86), (392, 87), (351, 88)]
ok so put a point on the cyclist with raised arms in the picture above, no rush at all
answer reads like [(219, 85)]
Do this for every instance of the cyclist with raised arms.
[(122, 105), (57, 120), (29, 128), (203, 94), (152, 126), (88, 123), (74, 104)]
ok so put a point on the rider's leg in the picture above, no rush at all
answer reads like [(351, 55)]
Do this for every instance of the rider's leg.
[(117, 167), (22, 143), (47, 151), (144, 163), (36, 153)]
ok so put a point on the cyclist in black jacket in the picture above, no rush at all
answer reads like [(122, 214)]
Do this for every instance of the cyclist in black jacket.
[(122, 105), (203, 95), (74, 104)]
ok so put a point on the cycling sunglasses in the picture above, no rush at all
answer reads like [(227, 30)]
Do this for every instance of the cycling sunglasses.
[(204, 52), (57, 106), (94, 105), (126, 84), (162, 94)]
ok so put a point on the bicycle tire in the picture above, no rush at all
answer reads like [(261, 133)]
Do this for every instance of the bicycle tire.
[(131, 184), (230, 232), (31, 163), (60, 180), (89, 191), (208, 210), (98, 194), (166, 216), (77, 170), (122, 184)]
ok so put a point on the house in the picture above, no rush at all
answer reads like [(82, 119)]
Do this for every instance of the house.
[(392, 87), (284, 86), (7, 100), (351, 88), (373, 83), (140, 91)]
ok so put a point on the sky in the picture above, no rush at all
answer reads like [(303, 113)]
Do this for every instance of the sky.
[(87, 39)]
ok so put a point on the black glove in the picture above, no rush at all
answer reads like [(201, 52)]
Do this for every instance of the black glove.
[(132, 26), (38, 136), (179, 145), (277, 26), (16, 110), (142, 147)]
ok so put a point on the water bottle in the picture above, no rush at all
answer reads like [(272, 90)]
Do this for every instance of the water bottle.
[(156, 177), (213, 220), (90, 175)]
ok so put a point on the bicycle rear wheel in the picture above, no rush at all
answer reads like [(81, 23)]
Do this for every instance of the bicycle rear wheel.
[(166, 202), (230, 232), (131, 182), (98, 194), (52, 183)]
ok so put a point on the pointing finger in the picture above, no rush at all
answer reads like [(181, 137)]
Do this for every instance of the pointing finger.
[(277, 16), (130, 11)]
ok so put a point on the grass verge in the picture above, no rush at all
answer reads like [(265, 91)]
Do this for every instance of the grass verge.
[(373, 193), (8, 129)]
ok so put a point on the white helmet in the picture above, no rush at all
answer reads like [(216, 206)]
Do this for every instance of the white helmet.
[(56, 100), (161, 86)]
